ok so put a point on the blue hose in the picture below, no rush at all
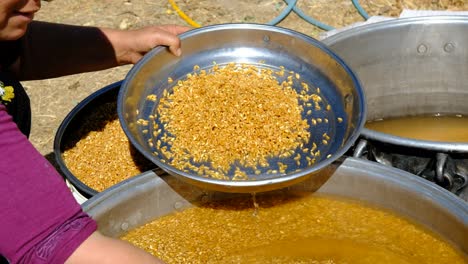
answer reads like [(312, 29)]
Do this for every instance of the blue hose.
[(309, 19), (361, 10), (291, 6), (283, 13)]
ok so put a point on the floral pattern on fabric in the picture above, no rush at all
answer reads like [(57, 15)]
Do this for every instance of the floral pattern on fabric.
[(7, 93)]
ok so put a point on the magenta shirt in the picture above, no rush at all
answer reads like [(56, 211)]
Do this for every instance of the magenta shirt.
[(40, 220)]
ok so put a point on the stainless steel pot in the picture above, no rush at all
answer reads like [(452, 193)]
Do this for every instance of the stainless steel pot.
[(407, 67), (148, 196)]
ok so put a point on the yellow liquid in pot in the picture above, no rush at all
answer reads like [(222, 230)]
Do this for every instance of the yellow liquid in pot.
[(291, 229), (423, 127)]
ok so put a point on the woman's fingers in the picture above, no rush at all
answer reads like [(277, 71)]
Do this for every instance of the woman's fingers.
[(168, 37)]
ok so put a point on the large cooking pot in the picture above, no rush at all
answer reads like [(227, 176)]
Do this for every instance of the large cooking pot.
[(72, 130), (148, 196), (67, 135), (411, 66)]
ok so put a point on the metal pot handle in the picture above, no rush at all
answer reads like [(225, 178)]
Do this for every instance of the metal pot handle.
[(360, 147), (442, 178)]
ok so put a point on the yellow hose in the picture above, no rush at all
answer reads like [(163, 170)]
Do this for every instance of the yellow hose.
[(183, 15)]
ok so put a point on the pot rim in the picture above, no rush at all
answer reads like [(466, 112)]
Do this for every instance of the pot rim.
[(437, 146), (392, 23)]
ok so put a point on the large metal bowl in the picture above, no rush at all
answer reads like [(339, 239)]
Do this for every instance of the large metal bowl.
[(267, 47), (144, 198)]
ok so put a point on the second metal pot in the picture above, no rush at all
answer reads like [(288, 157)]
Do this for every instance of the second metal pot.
[(409, 67)]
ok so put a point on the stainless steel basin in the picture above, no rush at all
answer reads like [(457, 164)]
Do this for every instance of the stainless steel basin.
[(264, 46), (148, 196)]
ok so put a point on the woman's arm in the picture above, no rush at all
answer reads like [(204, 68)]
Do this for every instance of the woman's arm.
[(99, 249), (51, 50), (41, 221)]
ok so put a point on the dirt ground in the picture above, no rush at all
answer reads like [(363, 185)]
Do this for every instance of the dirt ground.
[(53, 99)]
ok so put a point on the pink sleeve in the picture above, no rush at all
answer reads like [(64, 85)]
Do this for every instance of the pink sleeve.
[(40, 220)]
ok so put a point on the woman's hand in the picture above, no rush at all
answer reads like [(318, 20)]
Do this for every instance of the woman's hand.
[(131, 45)]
